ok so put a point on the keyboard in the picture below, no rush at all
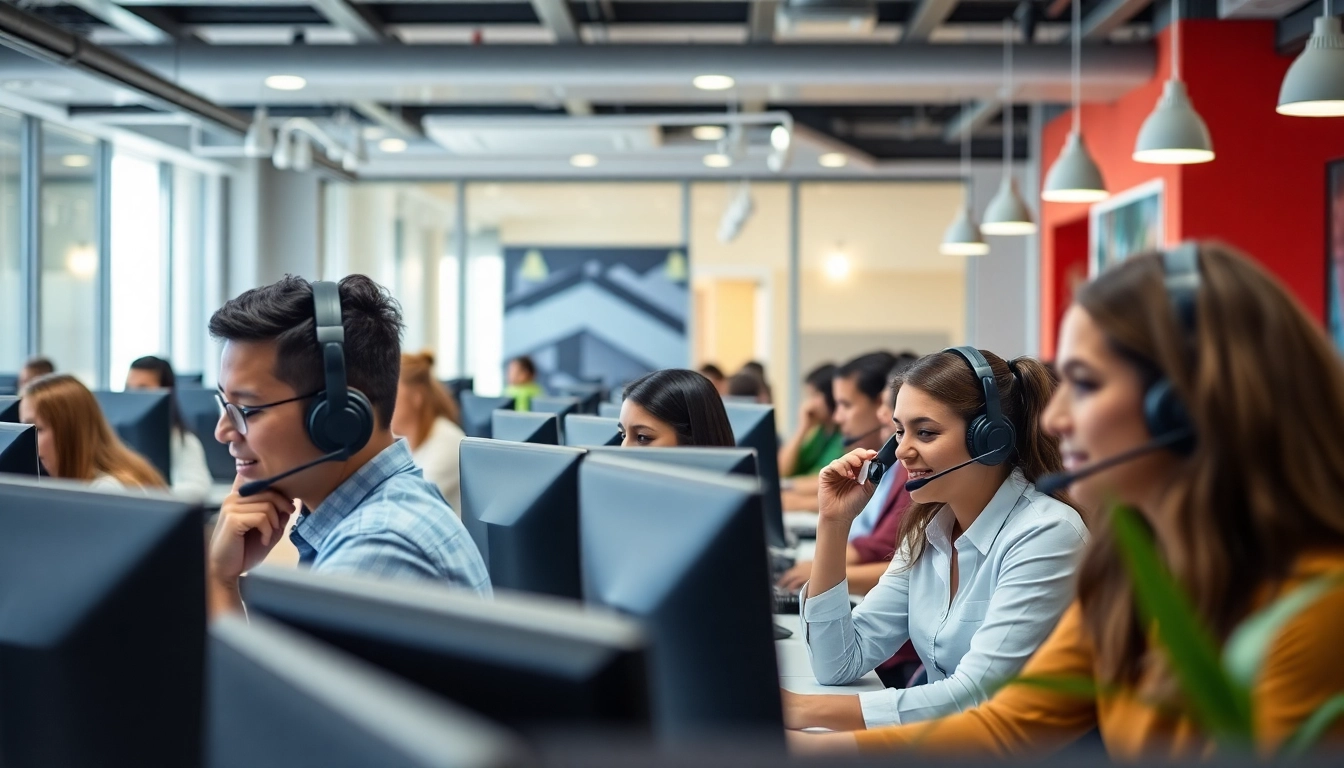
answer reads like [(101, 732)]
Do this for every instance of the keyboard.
[(786, 601)]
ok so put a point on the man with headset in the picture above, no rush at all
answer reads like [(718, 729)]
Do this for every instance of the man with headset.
[(307, 385)]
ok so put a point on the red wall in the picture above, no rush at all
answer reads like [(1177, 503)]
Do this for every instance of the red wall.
[(1265, 190)]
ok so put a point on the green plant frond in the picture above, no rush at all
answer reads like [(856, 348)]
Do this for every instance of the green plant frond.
[(1077, 686), (1246, 649), (1311, 729), (1222, 707)]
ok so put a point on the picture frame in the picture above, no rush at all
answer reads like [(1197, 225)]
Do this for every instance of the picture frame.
[(1334, 251), (1124, 224)]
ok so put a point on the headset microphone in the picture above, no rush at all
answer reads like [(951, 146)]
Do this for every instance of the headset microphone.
[(915, 485), (1058, 480), (257, 486)]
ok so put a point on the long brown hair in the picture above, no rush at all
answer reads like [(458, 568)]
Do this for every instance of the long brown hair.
[(85, 443), (417, 374), (1025, 387), (1265, 392)]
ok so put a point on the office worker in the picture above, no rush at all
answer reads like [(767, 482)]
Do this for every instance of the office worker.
[(427, 416), (522, 383), (1198, 392), (293, 351), (816, 440), (34, 367), (74, 440), (673, 407), (985, 563), (715, 375), (191, 477)]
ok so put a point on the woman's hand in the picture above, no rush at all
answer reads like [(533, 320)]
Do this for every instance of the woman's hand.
[(841, 496)]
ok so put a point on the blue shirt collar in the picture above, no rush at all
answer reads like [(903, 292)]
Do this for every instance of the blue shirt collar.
[(315, 526)]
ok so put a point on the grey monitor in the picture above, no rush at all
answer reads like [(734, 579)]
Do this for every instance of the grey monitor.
[(754, 427), (143, 420), (18, 449), (477, 412), (281, 698), (609, 410), (200, 410), (732, 461), (525, 427), (591, 430), (588, 395), (9, 383), (9, 409)]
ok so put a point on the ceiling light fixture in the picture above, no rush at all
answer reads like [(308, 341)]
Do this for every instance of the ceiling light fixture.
[(833, 160), (286, 83), (963, 236), (718, 160), (76, 161), (1006, 213), (837, 266), (708, 132), (259, 141), (1075, 177), (1314, 84), (1174, 134), (583, 161), (713, 82), (392, 145)]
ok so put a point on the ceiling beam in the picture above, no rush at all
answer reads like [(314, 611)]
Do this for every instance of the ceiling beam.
[(761, 21), (386, 118), (1109, 16), (971, 118), (555, 16), (133, 24), (928, 15), (357, 20)]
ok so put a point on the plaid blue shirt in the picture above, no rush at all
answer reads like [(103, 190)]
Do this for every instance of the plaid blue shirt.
[(387, 521)]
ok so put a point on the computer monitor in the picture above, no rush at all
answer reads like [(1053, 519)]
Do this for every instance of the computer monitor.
[(728, 461), (279, 697), (200, 410), (9, 383), (591, 430), (9, 409), (18, 449), (458, 386), (588, 395), (530, 663), (754, 427), (189, 380), (102, 650), (684, 551), (525, 427), (609, 410), (477, 412), (144, 422), (560, 406), (520, 503)]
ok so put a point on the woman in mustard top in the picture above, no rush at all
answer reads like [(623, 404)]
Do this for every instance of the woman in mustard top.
[(1200, 356)]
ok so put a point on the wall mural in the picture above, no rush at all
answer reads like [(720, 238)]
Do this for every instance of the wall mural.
[(596, 315)]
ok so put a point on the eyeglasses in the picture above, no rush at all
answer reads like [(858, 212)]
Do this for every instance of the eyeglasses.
[(239, 414)]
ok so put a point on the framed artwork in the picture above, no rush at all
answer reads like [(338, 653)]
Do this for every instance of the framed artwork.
[(1334, 254), (1125, 224)]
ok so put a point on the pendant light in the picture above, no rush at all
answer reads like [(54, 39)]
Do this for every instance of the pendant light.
[(1174, 134), (1006, 214), (1314, 85), (1075, 177), (963, 237)]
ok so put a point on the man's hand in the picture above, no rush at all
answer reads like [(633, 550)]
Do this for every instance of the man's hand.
[(246, 531)]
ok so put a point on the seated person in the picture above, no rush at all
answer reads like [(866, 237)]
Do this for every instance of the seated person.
[(1011, 551), (74, 440), (747, 384), (758, 370), (366, 508), (34, 367), (816, 441), (1206, 361), (674, 407), (191, 475), (428, 417), (715, 375), (522, 383)]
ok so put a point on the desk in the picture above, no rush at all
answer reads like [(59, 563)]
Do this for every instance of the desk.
[(795, 671)]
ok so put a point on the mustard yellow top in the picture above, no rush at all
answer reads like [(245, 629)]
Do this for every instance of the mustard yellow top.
[(1301, 671)]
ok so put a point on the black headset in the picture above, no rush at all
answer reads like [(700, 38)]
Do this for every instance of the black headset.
[(990, 436), (1163, 411), (343, 419)]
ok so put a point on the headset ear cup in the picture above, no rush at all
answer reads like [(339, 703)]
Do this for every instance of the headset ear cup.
[(349, 430), (995, 438), (1165, 413)]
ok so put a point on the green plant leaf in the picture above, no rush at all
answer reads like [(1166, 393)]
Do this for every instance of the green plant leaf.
[(1222, 707), (1311, 729), (1070, 685), (1245, 651)]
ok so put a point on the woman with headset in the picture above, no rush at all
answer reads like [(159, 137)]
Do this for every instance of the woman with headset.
[(984, 564), (1198, 392)]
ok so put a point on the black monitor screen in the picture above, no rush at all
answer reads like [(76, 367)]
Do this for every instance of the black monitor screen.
[(520, 503), (591, 430), (200, 410), (9, 383), (525, 427), (18, 449), (102, 644), (144, 423), (9, 409), (523, 661), (477, 412), (754, 427), (589, 396), (458, 386)]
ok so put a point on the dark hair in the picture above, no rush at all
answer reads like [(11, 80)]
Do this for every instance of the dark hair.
[(821, 379), (746, 384), (283, 312), (526, 364), (711, 371), (688, 402), (167, 380), (40, 366), (755, 367), (903, 362), (1025, 386), (870, 372)]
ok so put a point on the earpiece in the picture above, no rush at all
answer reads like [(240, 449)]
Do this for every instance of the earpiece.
[(990, 435), (343, 419)]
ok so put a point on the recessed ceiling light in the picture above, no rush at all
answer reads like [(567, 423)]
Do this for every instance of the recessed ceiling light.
[(780, 137), (833, 160), (392, 145), (837, 266), (713, 82), (718, 161), (286, 82), (76, 161), (708, 132), (583, 161)]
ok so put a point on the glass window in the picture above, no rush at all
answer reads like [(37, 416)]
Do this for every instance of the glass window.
[(189, 309), (68, 326), (12, 304), (139, 296)]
